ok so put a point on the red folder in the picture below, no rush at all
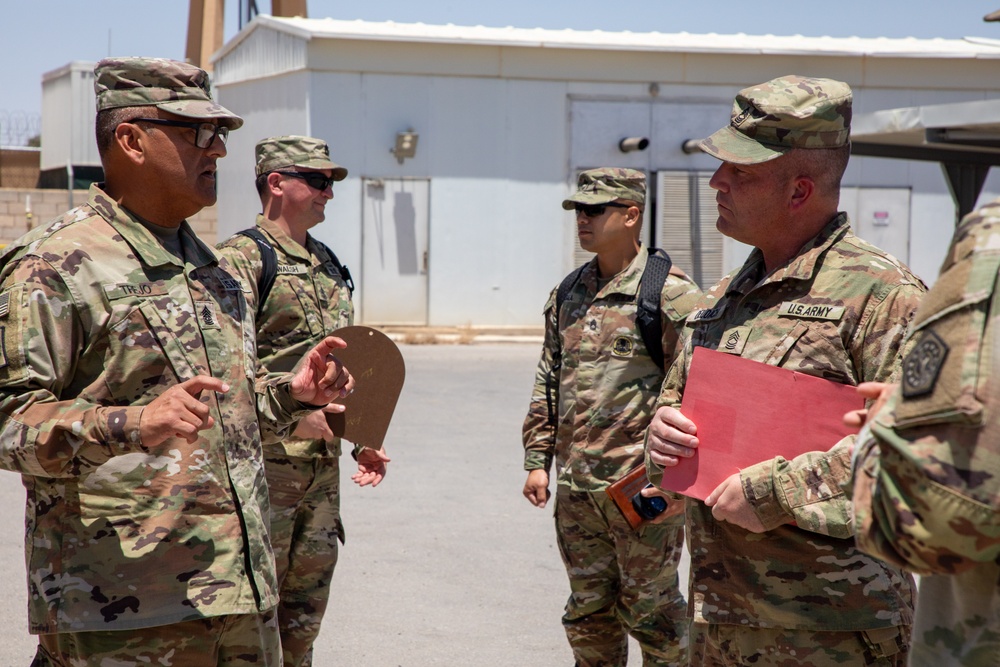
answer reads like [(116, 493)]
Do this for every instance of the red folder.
[(747, 412)]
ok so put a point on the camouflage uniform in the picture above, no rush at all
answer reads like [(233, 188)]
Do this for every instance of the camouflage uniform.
[(97, 319), (309, 300), (622, 581), (926, 495), (801, 588), (186, 643)]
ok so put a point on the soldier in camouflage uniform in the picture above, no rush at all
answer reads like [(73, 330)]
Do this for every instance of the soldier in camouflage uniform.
[(775, 576), (309, 300), (129, 400), (926, 488), (623, 581)]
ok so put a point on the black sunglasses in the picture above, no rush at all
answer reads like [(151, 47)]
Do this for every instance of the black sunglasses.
[(315, 180), (596, 210), (204, 133)]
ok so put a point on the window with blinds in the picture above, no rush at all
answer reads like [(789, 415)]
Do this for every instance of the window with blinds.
[(685, 215)]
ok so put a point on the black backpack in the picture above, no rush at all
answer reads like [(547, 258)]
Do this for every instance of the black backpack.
[(269, 259), (647, 317)]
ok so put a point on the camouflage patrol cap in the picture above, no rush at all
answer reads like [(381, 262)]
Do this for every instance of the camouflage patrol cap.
[(276, 153), (180, 88), (601, 186), (772, 118)]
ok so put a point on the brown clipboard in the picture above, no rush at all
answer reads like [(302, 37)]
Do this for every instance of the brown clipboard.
[(379, 371), (623, 490)]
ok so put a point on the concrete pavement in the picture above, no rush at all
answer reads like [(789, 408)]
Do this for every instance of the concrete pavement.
[(445, 562)]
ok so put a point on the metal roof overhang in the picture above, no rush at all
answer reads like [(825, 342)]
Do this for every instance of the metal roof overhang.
[(963, 137)]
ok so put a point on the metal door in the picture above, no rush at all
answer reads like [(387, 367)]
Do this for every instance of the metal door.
[(394, 251), (880, 216)]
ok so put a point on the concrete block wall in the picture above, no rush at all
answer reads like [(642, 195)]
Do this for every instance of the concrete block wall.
[(48, 204)]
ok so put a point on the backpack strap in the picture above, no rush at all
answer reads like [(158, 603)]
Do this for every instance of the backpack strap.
[(345, 273), (552, 382), (647, 318), (648, 314), (269, 261)]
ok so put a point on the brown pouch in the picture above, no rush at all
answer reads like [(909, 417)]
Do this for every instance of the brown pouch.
[(625, 489)]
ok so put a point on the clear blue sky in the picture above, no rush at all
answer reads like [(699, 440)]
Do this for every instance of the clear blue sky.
[(37, 36)]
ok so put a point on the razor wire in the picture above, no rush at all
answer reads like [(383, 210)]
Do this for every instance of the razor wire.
[(18, 127)]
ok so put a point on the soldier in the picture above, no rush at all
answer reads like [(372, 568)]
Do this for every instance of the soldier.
[(926, 487), (776, 578), (129, 399), (309, 299), (605, 380)]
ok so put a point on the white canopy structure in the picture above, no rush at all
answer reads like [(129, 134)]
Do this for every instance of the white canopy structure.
[(964, 137)]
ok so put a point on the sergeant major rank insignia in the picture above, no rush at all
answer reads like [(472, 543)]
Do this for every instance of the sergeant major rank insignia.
[(734, 340), (748, 110), (206, 314), (923, 364), (622, 347)]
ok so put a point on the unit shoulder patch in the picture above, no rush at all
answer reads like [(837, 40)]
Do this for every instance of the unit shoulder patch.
[(623, 347), (922, 365)]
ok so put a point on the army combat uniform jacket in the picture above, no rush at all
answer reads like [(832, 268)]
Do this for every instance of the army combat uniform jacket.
[(308, 301), (838, 310), (608, 382), (927, 475), (96, 320)]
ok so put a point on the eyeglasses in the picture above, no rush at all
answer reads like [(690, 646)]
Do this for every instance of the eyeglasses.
[(596, 210), (204, 133), (314, 179)]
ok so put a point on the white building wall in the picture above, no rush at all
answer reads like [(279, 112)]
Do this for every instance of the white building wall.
[(500, 155), (498, 180), (68, 105), (503, 130), (271, 106), (494, 151), (336, 114), (930, 233)]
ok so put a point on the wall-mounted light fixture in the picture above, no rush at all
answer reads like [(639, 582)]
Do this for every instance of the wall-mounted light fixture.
[(406, 145), (629, 144)]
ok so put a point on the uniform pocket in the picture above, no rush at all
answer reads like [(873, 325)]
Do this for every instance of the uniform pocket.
[(12, 364), (143, 354), (945, 372)]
